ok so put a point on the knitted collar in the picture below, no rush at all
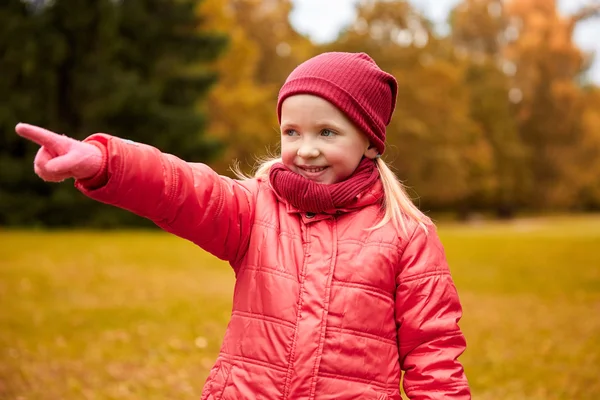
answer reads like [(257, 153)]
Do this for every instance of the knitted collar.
[(308, 196)]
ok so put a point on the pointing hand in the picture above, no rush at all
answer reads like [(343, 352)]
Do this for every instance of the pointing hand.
[(61, 157)]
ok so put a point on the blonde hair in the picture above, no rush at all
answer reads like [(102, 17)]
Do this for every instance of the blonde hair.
[(397, 206)]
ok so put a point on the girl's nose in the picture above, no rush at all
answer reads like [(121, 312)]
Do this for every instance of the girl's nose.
[(308, 150)]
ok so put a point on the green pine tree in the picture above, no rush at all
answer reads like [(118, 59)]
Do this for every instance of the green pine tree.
[(133, 68)]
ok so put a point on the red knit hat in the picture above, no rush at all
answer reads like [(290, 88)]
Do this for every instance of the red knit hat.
[(353, 83)]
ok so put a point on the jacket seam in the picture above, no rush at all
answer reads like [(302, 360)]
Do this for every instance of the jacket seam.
[(425, 275), (370, 244), (326, 304), (239, 257), (401, 250), (265, 224), (288, 378), (174, 181), (120, 172), (270, 270), (368, 288), (253, 361), (380, 385), (172, 189), (264, 318), (220, 199), (410, 239), (226, 381), (366, 335)]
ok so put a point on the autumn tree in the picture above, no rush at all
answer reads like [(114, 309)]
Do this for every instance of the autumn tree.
[(134, 68), (479, 33), (240, 108), (550, 113), (263, 50), (267, 24), (589, 175), (432, 142)]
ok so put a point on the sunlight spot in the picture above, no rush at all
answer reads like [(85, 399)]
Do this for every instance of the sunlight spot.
[(509, 68), (421, 38), (495, 9), (511, 33), (404, 38), (201, 342), (515, 95), (283, 49), (377, 31), (361, 26)]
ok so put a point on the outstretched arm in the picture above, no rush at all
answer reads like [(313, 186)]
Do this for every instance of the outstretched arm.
[(427, 314), (186, 199)]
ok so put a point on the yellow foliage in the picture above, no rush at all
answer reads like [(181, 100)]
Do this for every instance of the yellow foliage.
[(242, 104)]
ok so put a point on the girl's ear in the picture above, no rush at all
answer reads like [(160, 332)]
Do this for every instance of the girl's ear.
[(371, 152)]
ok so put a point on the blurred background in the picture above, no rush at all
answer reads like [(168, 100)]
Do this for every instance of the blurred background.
[(496, 134)]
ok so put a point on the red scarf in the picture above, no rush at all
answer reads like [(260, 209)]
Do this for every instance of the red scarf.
[(309, 196)]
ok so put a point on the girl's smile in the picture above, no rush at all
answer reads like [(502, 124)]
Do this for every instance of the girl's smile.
[(312, 173)]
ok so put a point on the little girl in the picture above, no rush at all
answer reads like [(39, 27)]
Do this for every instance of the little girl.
[(341, 282)]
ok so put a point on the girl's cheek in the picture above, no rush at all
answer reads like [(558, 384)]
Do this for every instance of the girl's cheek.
[(287, 155)]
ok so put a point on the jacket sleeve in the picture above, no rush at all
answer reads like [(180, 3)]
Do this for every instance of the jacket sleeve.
[(427, 314), (186, 199)]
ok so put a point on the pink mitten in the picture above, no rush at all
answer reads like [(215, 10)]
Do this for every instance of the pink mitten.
[(62, 157)]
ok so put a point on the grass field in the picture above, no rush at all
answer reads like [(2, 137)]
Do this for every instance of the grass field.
[(140, 315)]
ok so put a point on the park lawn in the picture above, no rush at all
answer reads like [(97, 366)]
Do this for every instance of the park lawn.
[(141, 314)]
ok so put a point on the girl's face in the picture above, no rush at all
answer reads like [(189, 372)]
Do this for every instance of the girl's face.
[(318, 141)]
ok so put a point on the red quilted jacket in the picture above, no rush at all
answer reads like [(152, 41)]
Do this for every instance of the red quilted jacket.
[(322, 308)]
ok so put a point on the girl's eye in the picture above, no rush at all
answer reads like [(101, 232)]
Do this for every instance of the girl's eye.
[(327, 132), (290, 132)]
